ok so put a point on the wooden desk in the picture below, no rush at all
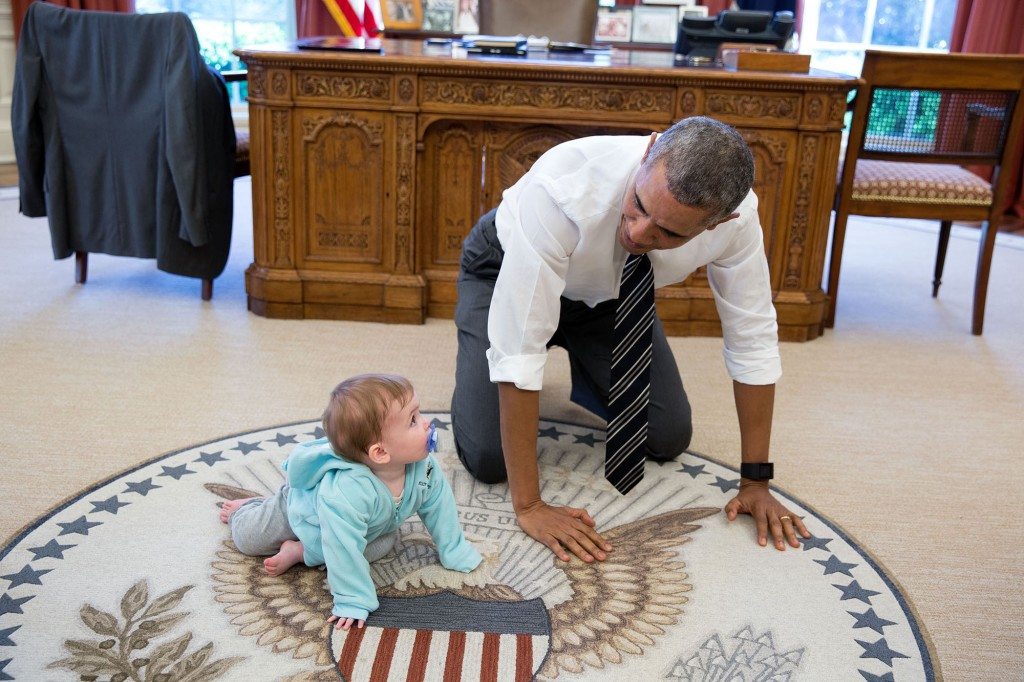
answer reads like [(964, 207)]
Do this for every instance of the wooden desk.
[(368, 170)]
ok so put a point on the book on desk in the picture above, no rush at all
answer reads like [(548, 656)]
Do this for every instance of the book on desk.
[(500, 45)]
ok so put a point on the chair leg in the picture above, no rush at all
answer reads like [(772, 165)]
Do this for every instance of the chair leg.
[(838, 237), (985, 249), (207, 289), (940, 258), (81, 266)]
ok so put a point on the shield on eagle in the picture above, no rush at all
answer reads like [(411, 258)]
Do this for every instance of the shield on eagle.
[(445, 636)]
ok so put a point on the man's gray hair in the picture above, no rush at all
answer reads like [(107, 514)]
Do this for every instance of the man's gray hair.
[(708, 165)]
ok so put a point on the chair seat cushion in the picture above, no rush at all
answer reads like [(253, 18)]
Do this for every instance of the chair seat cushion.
[(919, 183)]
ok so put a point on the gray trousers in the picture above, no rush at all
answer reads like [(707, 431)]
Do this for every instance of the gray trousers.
[(260, 526), (584, 332)]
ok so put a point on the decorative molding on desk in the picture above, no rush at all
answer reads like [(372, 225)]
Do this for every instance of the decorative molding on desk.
[(347, 87), (279, 84), (405, 128), (311, 127), (407, 90), (543, 96), (753, 106), (775, 147), (801, 216), (257, 81), (280, 124)]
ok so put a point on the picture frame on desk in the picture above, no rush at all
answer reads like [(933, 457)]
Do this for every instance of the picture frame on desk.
[(467, 17), (439, 15), (692, 11), (655, 24), (403, 14), (614, 25)]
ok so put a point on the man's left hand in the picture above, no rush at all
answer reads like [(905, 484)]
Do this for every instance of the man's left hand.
[(769, 514)]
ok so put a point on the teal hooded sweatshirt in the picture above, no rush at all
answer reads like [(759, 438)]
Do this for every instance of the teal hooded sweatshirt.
[(336, 507)]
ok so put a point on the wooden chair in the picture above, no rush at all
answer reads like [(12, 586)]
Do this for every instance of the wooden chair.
[(952, 110)]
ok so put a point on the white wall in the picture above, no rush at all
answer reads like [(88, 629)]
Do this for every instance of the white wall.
[(6, 81)]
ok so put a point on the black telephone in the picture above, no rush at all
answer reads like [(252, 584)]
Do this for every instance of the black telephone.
[(701, 36)]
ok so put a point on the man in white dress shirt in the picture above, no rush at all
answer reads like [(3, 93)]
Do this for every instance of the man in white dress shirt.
[(544, 269)]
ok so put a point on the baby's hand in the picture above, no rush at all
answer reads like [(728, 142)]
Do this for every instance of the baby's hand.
[(344, 623)]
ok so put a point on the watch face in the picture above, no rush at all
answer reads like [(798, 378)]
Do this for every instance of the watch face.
[(757, 471)]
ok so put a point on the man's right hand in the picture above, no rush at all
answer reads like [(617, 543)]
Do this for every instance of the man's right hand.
[(563, 528)]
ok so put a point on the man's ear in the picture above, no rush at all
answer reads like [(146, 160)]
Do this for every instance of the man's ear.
[(377, 454), (650, 143), (731, 216)]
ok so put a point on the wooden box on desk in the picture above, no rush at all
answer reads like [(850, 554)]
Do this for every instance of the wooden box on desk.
[(739, 59)]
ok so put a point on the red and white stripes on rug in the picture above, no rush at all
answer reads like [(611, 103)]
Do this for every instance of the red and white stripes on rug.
[(390, 654)]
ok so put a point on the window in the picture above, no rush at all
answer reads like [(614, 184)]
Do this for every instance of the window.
[(836, 32), (223, 25)]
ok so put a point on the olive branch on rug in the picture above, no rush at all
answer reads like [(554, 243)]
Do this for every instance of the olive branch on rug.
[(125, 653)]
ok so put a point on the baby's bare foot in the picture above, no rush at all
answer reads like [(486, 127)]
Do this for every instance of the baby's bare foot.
[(230, 507), (289, 555)]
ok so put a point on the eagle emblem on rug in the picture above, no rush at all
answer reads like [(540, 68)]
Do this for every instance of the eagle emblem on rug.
[(521, 614)]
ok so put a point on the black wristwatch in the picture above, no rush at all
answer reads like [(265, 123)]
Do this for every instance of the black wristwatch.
[(757, 471)]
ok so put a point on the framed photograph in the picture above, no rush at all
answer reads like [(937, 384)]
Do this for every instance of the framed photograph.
[(406, 14), (467, 18), (692, 11), (614, 25), (653, 24), (439, 15)]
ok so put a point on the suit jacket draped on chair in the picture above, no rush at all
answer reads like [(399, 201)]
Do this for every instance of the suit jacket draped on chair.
[(124, 138)]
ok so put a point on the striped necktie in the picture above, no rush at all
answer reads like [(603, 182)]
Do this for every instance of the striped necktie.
[(630, 376)]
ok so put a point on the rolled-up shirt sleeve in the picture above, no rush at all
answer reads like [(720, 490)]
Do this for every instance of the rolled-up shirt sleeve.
[(525, 306), (741, 285)]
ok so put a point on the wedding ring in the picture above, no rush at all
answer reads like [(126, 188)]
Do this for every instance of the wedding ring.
[(782, 518)]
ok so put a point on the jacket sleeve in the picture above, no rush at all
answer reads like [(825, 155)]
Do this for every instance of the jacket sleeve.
[(441, 520), (183, 67), (26, 121), (344, 520)]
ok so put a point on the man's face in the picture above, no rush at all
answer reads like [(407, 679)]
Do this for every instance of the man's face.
[(653, 220)]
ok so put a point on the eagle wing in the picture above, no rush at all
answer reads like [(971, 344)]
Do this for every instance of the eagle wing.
[(619, 605)]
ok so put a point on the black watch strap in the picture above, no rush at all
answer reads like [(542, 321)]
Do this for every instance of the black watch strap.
[(757, 471)]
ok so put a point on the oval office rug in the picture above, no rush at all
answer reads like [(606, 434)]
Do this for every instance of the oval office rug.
[(137, 579)]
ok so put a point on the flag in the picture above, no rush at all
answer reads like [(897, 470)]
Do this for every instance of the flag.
[(353, 18)]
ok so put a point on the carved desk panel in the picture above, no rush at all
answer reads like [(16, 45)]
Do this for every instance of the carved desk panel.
[(368, 170)]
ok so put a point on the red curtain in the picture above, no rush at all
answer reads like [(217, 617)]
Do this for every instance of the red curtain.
[(19, 7), (352, 18), (993, 27)]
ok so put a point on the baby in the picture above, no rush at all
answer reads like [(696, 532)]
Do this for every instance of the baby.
[(346, 495)]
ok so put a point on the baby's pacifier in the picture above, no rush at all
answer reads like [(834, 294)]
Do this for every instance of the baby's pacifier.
[(432, 439)]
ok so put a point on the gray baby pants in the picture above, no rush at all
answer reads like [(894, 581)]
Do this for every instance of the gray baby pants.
[(260, 526)]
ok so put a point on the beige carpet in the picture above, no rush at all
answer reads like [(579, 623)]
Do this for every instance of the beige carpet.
[(898, 425)]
